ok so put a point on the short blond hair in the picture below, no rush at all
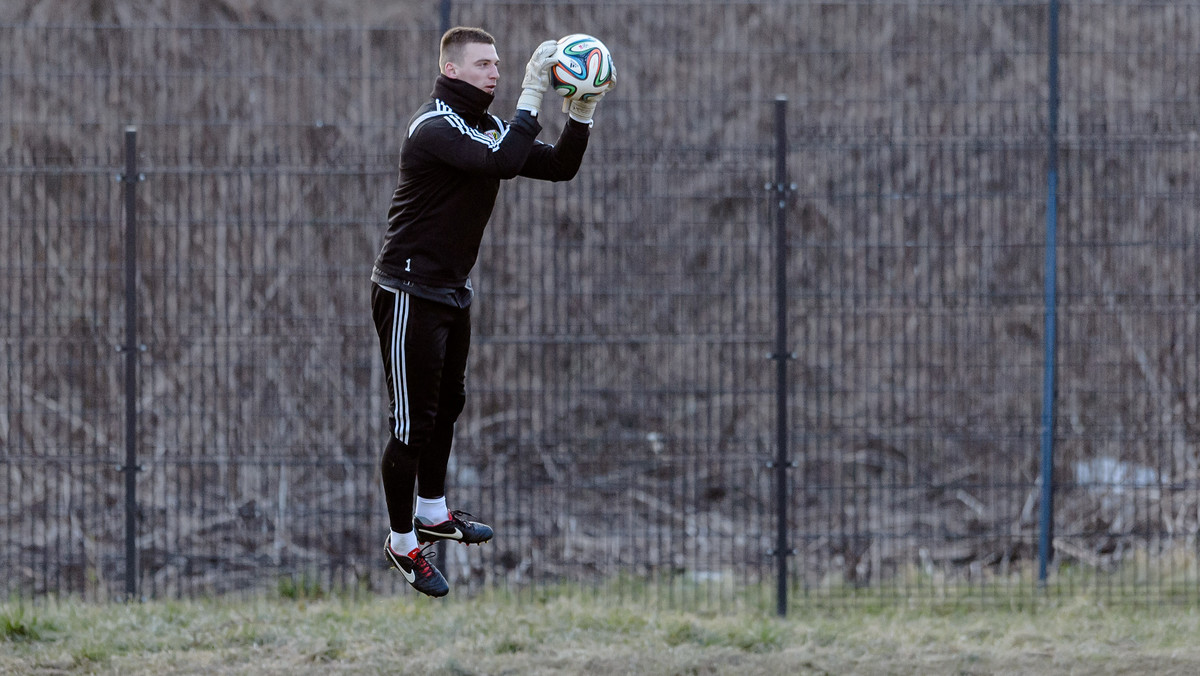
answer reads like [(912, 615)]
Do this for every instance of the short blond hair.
[(458, 37)]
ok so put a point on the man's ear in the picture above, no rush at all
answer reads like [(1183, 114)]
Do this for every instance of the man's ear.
[(450, 70)]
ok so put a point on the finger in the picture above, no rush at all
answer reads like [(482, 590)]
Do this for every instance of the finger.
[(546, 49)]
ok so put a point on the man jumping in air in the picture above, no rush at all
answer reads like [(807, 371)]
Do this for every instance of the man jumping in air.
[(452, 160)]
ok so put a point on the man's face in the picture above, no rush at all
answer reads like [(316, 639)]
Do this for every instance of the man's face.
[(480, 66)]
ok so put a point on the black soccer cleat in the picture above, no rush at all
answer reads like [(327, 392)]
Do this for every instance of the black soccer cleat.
[(419, 572), (458, 528)]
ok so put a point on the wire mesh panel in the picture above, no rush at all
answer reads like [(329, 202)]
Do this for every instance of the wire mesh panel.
[(619, 394), (919, 357), (258, 378), (60, 423), (916, 274), (1127, 408)]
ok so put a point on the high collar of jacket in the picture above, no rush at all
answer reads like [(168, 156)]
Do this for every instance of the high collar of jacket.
[(469, 101)]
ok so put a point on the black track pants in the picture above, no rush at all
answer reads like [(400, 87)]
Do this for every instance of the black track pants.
[(424, 346)]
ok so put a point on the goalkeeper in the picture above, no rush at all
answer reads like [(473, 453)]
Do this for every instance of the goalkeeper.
[(454, 155)]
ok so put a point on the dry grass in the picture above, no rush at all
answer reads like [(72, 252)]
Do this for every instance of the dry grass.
[(566, 636)]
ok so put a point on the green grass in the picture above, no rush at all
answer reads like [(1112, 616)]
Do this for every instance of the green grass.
[(17, 623), (567, 635), (299, 587)]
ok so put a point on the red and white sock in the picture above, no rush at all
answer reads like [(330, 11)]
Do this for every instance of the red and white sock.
[(404, 543)]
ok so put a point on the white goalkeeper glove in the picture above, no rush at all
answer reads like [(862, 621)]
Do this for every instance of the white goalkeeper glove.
[(582, 111), (537, 77)]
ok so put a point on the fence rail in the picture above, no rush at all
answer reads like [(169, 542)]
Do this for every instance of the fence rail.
[(625, 417)]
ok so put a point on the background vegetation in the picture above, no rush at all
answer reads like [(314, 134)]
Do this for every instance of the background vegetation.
[(621, 415)]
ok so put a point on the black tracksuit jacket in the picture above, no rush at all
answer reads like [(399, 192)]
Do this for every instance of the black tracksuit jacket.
[(451, 164)]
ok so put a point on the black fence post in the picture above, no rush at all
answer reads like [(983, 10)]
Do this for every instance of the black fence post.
[(131, 348), (781, 355), (444, 12), (1049, 386)]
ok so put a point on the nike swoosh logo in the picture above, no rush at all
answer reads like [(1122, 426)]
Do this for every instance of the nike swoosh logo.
[(456, 534), (410, 575)]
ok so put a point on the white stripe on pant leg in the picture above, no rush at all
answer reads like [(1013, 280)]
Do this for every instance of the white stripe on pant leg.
[(399, 367)]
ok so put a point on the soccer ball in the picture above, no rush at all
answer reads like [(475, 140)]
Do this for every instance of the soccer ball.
[(582, 67)]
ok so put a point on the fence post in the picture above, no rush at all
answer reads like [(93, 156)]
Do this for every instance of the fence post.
[(444, 18), (781, 355), (1049, 387), (131, 348)]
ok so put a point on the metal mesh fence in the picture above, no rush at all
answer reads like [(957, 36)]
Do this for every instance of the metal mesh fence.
[(621, 402)]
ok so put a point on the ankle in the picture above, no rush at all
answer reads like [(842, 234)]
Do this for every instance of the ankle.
[(433, 510), (404, 542)]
